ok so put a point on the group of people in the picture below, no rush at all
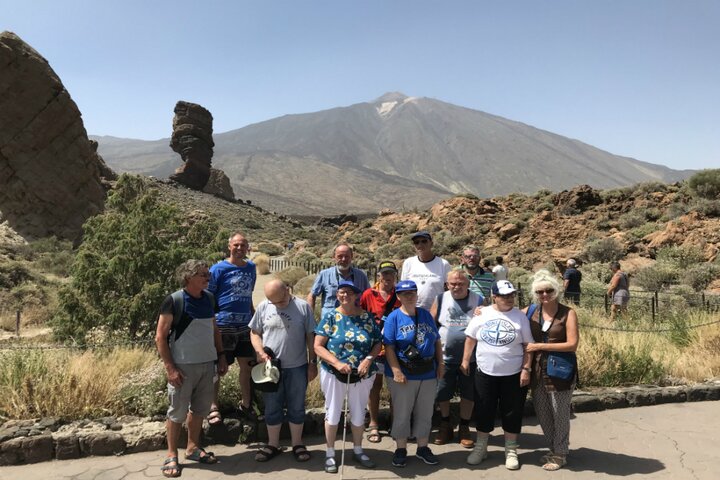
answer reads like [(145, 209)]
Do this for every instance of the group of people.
[(427, 332)]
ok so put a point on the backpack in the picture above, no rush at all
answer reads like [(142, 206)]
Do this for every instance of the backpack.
[(181, 322)]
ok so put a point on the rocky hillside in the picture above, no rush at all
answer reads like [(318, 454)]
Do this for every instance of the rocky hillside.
[(394, 152)]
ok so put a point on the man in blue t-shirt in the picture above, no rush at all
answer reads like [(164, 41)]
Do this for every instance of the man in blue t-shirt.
[(233, 281), (326, 283)]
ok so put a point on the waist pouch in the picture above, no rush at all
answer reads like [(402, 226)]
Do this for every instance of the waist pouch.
[(418, 366), (343, 377)]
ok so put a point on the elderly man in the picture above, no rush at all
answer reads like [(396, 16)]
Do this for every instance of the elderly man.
[(427, 270), (232, 281), (481, 280), (189, 343), (285, 324), (326, 283), (571, 282), (452, 311)]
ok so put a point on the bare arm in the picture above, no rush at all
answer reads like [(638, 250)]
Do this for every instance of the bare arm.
[(392, 360), (324, 354), (312, 358), (174, 375), (311, 300), (467, 354), (222, 366), (257, 343), (434, 312)]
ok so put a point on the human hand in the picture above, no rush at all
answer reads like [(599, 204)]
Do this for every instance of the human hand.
[(344, 368), (533, 347), (465, 368), (175, 377), (477, 310), (399, 376), (440, 372), (524, 378), (222, 366), (364, 367)]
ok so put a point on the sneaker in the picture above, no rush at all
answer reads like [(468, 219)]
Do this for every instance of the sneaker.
[(426, 455), (465, 436), (479, 452), (400, 457), (444, 435), (511, 456)]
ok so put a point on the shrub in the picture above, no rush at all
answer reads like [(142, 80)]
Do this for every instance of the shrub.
[(644, 230), (272, 249), (674, 210), (706, 184), (291, 275), (262, 264), (303, 256), (680, 256), (13, 273), (604, 250), (125, 265), (303, 286), (700, 276), (613, 367), (657, 277), (709, 208), (392, 228), (631, 219)]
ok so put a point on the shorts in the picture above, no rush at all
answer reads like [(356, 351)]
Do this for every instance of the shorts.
[(237, 345), (621, 297), (290, 396), (454, 380), (196, 393)]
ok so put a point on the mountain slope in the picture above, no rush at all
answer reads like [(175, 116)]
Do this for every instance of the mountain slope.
[(396, 151)]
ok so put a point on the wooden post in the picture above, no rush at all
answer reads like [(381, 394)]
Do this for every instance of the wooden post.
[(607, 304), (652, 305), (17, 324)]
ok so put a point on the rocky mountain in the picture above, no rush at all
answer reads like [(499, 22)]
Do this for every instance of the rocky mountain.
[(397, 151)]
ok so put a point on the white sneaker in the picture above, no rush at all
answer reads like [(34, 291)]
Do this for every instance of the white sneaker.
[(479, 452), (511, 457)]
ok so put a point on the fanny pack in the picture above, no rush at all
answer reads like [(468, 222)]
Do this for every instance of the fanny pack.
[(343, 377), (418, 366)]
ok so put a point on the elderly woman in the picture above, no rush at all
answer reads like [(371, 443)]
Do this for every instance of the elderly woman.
[(380, 300), (414, 363), (347, 341), (499, 335), (618, 290), (555, 329)]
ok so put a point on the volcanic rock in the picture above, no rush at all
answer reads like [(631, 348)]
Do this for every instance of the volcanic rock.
[(218, 184), (192, 139), (50, 174)]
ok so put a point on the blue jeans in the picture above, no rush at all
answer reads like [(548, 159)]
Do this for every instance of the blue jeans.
[(290, 395)]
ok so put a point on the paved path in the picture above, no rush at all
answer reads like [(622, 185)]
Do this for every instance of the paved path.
[(673, 441)]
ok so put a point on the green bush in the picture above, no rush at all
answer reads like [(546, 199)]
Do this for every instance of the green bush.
[(680, 256), (13, 273), (617, 367), (700, 276), (709, 208), (642, 231), (125, 265), (706, 184), (272, 249), (657, 277), (392, 228), (632, 219), (604, 250)]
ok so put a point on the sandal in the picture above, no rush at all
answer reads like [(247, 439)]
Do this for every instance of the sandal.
[(300, 452), (171, 471), (201, 456), (214, 417), (330, 465), (267, 452), (374, 435), (555, 462)]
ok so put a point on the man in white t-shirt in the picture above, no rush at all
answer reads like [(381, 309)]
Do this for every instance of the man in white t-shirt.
[(426, 269), (500, 271)]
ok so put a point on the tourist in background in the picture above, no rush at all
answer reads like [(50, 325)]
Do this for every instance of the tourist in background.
[(452, 312), (232, 281), (498, 336), (618, 290), (427, 270), (326, 282), (188, 349), (413, 355), (347, 341), (555, 329), (571, 282), (380, 300), (500, 271), (481, 280)]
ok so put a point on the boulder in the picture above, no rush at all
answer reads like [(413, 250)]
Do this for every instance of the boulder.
[(218, 184), (50, 173), (192, 139)]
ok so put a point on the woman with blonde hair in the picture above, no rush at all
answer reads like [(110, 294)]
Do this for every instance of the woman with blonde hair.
[(554, 374)]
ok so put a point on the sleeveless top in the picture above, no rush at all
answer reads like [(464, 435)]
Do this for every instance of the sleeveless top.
[(556, 334)]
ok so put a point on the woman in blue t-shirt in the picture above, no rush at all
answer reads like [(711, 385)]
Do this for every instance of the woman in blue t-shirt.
[(414, 363)]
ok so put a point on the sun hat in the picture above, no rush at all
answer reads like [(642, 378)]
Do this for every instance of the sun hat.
[(387, 266), (421, 234), (406, 286), (503, 287), (348, 284), (265, 372)]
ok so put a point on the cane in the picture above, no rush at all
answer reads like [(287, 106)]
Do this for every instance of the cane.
[(345, 422)]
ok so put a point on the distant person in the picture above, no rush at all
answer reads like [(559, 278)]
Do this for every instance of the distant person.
[(232, 281), (380, 300), (618, 290), (500, 271), (487, 265), (481, 280), (427, 270), (571, 282), (188, 349), (326, 283), (452, 312), (286, 325)]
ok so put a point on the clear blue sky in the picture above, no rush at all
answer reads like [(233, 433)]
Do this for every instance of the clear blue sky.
[(635, 77)]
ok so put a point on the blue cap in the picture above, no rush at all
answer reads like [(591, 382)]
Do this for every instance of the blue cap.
[(349, 284), (406, 286), (422, 234)]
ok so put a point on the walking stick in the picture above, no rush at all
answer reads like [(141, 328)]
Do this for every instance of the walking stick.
[(345, 422)]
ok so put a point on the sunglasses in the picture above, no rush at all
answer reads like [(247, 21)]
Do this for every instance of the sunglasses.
[(422, 240), (547, 291), (506, 296)]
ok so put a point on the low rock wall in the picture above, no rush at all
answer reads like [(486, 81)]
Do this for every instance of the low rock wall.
[(32, 441)]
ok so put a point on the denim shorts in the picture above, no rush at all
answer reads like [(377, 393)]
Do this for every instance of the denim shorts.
[(290, 396), (454, 380)]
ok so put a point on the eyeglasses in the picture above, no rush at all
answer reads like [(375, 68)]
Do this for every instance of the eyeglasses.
[(547, 291), (420, 240)]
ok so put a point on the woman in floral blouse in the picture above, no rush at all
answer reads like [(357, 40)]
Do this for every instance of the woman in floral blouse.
[(347, 341)]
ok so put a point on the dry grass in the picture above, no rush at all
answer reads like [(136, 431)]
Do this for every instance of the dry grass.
[(262, 263)]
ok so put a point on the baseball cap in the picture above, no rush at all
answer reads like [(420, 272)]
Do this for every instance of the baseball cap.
[(421, 234), (349, 284), (406, 286), (503, 287), (387, 266)]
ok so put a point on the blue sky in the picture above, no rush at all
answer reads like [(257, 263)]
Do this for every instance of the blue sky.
[(639, 78)]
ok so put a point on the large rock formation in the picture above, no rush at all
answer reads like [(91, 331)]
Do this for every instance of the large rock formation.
[(50, 180), (192, 139)]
